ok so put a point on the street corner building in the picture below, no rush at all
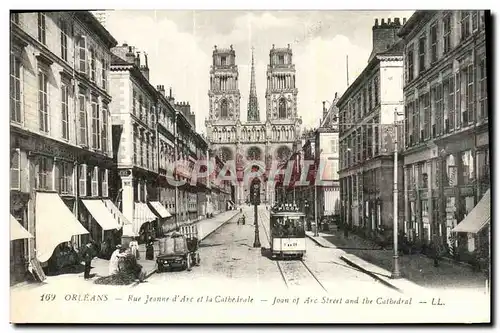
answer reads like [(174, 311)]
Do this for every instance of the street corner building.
[(254, 144), (368, 116), (60, 129), (446, 155)]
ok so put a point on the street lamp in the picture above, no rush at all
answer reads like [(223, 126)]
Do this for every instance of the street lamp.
[(396, 274)]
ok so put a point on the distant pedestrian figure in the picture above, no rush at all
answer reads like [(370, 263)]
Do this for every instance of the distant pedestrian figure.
[(150, 250), (346, 231), (134, 248), (87, 257)]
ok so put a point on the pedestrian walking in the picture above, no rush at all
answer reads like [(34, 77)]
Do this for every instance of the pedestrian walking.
[(87, 258), (150, 250)]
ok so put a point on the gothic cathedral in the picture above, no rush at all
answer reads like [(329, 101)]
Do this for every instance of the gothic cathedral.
[(255, 142)]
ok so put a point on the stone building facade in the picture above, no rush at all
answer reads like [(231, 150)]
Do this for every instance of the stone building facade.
[(447, 154), (254, 143), (60, 133), (367, 116)]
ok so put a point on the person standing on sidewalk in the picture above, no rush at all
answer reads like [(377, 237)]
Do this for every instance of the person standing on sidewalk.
[(150, 249), (87, 258)]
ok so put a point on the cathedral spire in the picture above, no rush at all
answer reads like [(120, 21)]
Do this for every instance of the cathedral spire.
[(253, 105)]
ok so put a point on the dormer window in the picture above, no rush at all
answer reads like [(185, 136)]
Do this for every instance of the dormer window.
[(223, 61), (281, 59)]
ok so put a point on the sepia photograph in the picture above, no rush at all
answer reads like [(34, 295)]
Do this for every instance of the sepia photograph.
[(250, 166)]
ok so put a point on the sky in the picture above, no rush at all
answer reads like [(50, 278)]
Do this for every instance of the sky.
[(179, 46)]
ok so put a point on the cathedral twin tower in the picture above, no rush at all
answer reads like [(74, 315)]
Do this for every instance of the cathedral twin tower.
[(266, 140)]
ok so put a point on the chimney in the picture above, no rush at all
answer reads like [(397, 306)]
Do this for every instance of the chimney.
[(130, 56), (137, 60), (325, 111), (145, 68), (161, 89), (404, 20), (384, 36)]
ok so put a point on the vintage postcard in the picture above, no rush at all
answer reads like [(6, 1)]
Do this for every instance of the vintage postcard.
[(204, 166)]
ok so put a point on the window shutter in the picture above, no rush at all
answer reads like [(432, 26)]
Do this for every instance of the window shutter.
[(15, 170), (58, 180), (82, 55), (105, 184), (95, 182), (83, 180)]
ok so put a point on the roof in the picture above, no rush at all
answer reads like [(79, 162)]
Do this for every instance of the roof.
[(415, 19), (116, 60), (94, 24)]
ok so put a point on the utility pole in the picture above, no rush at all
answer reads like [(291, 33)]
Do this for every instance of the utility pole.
[(396, 274), (255, 198)]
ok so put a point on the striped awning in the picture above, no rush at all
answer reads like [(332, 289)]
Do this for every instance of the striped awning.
[(142, 214), (160, 209), (120, 218), (477, 218), (101, 214)]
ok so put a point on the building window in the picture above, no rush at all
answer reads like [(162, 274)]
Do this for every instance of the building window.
[(82, 180), (92, 65), (223, 109), (64, 39), (475, 20), (450, 105), (334, 144), (223, 61), (281, 59), (95, 182), (467, 168), (65, 111), (134, 102), (447, 33), (82, 54), (96, 121), (439, 109), (42, 28), (282, 108), (43, 102), (44, 174), (468, 115), (135, 146), (370, 97), (104, 183), (82, 119), (483, 166), (421, 54), (483, 93), (141, 110), (409, 62), (15, 170), (434, 42), (66, 178), (465, 24), (104, 135), (376, 90), (458, 99), (104, 74), (427, 115), (14, 17), (416, 122), (365, 102), (15, 89)]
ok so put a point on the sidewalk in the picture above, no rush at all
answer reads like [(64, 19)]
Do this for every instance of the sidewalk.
[(100, 267), (416, 270)]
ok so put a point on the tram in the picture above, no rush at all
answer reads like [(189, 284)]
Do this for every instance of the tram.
[(288, 236)]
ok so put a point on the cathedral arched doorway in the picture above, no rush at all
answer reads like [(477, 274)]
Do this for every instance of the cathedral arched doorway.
[(282, 108)]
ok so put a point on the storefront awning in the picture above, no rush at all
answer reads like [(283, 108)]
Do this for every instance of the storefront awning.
[(55, 224), (17, 231), (117, 214), (160, 209), (477, 218), (142, 214), (101, 214)]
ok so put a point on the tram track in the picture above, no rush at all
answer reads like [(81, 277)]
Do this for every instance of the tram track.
[(293, 272)]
